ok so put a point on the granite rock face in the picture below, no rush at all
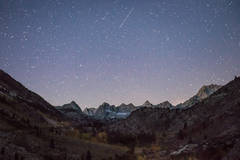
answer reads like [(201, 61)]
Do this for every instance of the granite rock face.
[(203, 93), (71, 110), (89, 111)]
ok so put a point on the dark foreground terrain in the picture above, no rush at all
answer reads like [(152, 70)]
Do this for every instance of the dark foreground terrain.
[(208, 130), (31, 128)]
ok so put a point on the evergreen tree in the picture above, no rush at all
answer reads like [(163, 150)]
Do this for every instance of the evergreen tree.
[(2, 151), (16, 156), (52, 144), (185, 125), (89, 156)]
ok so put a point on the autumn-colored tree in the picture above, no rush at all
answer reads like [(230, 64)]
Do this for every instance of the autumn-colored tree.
[(102, 137)]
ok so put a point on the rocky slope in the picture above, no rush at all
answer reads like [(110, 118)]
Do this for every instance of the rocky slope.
[(32, 129), (106, 111), (71, 110), (209, 129), (165, 104), (30, 105), (89, 111), (203, 93)]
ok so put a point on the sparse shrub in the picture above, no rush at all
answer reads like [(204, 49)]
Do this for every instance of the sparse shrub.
[(155, 148), (102, 137), (85, 136), (74, 133), (140, 157)]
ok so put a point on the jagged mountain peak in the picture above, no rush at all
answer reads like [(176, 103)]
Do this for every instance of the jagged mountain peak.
[(130, 104), (204, 92), (71, 109), (207, 90), (74, 103), (122, 104), (147, 103), (126, 105), (165, 104), (105, 104)]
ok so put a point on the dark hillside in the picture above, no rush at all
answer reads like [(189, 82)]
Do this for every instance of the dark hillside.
[(210, 128)]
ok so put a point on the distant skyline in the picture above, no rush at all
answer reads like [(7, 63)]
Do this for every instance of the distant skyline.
[(119, 51)]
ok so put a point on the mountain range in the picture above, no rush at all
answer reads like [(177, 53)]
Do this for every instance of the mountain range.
[(107, 111), (205, 127), (209, 129)]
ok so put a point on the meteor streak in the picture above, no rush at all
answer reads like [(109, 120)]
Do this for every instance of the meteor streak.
[(126, 18)]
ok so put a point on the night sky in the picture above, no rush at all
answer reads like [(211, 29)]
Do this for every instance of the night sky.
[(119, 51)]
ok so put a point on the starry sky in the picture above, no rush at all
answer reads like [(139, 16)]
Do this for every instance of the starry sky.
[(119, 51)]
